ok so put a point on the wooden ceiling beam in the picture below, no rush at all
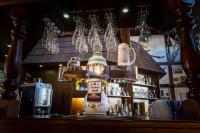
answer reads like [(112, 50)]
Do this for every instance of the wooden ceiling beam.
[(16, 2)]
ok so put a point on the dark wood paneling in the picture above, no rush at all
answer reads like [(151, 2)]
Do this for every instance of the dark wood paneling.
[(13, 2), (97, 126), (62, 91)]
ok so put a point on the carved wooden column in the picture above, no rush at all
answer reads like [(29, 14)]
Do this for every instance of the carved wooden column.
[(125, 38), (125, 35), (13, 63), (190, 56)]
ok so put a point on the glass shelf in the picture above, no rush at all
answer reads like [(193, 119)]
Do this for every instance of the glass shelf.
[(145, 98), (145, 85), (118, 96)]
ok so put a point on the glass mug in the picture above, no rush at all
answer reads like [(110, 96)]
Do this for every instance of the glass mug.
[(124, 55)]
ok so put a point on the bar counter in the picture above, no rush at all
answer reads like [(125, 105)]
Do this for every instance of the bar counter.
[(78, 124)]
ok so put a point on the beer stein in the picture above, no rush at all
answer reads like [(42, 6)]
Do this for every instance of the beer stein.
[(124, 55)]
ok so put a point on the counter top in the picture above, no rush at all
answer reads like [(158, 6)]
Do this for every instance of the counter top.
[(70, 124)]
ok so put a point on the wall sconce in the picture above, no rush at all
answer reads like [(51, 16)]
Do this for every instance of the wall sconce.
[(97, 63)]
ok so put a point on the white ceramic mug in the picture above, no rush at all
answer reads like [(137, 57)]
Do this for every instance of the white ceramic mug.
[(124, 55)]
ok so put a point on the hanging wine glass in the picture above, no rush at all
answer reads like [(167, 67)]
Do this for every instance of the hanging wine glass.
[(93, 36), (78, 38), (110, 33), (144, 29), (50, 36)]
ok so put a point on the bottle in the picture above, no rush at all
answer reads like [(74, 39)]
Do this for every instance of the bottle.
[(130, 110), (126, 110)]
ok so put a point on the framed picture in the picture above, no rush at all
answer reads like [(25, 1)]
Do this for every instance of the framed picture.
[(114, 89), (157, 47), (179, 75), (165, 93), (140, 91)]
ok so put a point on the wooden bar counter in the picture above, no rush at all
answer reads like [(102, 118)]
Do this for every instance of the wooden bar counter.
[(59, 125)]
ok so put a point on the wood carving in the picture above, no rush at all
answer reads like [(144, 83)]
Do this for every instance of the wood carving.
[(14, 2), (190, 55), (13, 64)]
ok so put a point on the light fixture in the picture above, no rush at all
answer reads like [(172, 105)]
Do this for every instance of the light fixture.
[(50, 36), (41, 66), (97, 63), (9, 45), (66, 15), (5, 55), (60, 65), (125, 10)]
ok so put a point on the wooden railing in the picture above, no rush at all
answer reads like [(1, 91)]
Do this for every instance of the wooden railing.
[(15, 125)]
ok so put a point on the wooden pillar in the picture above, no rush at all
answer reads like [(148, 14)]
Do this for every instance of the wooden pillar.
[(125, 38), (190, 56), (13, 63), (169, 65), (125, 35)]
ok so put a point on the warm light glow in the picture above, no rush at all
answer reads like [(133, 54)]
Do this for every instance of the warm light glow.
[(97, 63), (98, 69), (60, 65), (65, 15), (41, 66), (77, 105), (125, 10), (8, 45), (5, 55)]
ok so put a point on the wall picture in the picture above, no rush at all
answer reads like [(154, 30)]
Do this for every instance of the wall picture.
[(157, 47), (179, 75), (114, 89)]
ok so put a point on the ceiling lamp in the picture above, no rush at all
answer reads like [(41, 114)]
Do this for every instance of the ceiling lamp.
[(125, 10), (97, 63), (66, 15)]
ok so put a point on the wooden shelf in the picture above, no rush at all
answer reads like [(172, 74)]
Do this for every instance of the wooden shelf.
[(145, 85), (164, 97), (27, 85), (145, 98), (74, 74), (118, 96), (79, 94), (90, 74)]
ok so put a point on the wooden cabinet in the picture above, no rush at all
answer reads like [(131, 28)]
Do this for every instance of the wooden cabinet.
[(145, 91)]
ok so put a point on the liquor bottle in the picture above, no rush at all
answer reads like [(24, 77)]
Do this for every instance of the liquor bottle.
[(126, 109), (130, 110)]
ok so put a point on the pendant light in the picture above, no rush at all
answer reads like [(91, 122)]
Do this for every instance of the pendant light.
[(97, 62)]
